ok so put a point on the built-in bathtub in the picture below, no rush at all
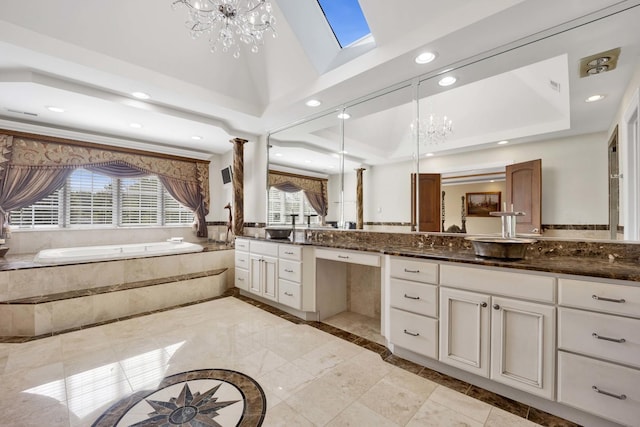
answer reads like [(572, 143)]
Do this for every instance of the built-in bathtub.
[(111, 252), (38, 299)]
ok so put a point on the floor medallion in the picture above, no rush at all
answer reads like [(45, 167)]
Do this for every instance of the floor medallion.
[(200, 398)]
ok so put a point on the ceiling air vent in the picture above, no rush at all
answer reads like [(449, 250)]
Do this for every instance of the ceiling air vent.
[(599, 63), (22, 112)]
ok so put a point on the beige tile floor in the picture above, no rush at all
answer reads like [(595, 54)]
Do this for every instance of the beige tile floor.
[(309, 377), (358, 324)]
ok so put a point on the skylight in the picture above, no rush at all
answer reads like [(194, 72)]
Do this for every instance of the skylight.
[(346, 20)]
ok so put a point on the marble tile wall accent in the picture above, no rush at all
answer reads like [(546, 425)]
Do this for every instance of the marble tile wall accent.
[(32, 241)]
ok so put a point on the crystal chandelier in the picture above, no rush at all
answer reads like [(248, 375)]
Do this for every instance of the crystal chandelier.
[(229, 22), (432, 131)]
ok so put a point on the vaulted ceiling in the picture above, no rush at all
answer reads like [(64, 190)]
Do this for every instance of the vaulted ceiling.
[(88, 56)]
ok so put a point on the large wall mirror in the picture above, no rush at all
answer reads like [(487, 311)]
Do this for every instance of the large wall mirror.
[(532, 96)]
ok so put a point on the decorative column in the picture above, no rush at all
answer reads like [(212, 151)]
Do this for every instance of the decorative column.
[(238, 185), (359, 215)]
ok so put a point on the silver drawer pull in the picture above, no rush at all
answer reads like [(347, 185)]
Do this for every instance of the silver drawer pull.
[(288, 294), (288, 253), (406, 270), (410, 297), (343, 256), (600, 337), (619, 301), (288, 271), (240, 279), (413, 334), (606, 393)]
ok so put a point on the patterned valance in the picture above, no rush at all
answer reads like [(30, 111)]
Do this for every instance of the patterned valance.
[(305, 183), (31, 152), (25, 158)]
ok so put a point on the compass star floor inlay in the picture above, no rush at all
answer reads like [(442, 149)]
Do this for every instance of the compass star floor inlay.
[(201, 398)]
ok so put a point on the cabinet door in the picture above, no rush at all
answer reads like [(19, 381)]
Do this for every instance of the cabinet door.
[(522, 345), (464, 330), (255, 274), (270, 278)]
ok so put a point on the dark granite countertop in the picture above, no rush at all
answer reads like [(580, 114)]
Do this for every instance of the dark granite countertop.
[(559, 260)]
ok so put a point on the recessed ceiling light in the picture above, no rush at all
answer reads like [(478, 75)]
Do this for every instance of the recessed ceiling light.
[(313, 103), (307, 161), (429, 155), (56, 109), (425, 57), (141, 95), (135, 125), (344, 116), (503, 142), (447, 81), (196, 137), (278, 154), (594, 98)]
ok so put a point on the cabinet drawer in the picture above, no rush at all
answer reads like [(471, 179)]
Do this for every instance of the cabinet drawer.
[(577, 377), (605, 297), (414, 332), (576, 333), (507, 283), (349, 256), (242, 279), (242, 260), (417, 271), (291, 252), (290, 270), (418, 298), (263, 248), (242, 245), (290, 294)]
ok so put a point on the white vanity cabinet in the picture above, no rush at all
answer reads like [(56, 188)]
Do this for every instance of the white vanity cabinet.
[(290, 275), (263, 271), (413, 297), (599, 348), (282, 273), (488, 328), (241, 280)]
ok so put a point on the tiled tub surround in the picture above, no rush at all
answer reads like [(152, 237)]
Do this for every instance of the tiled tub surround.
[(37, 300)]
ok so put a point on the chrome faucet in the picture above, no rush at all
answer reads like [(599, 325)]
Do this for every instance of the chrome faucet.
[(508, 219)]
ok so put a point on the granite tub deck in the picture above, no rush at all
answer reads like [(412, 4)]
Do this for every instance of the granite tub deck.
[(38, 300)]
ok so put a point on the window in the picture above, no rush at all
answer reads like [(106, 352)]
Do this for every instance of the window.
[(89, 199), (140, 200), (346, 19), (45, 212), (92, 199), (282, 205)]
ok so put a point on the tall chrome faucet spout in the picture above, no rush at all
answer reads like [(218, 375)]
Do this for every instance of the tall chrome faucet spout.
[(508, 219)]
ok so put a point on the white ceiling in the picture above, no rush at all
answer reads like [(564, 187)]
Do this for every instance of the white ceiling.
[(88, 56)]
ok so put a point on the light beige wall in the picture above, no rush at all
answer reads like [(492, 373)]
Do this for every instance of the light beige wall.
[(453, 207), (574, 174)]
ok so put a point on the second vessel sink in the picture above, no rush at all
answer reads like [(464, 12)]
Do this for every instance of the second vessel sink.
[(497, 247)]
